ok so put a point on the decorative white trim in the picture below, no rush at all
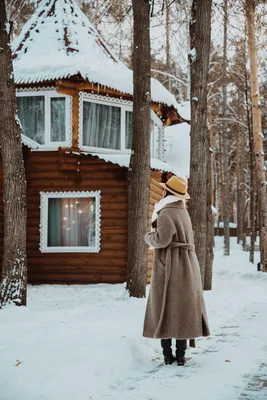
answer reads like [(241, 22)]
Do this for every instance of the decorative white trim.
[(49, 93), (106, 98), (44, 196), (35, 89)]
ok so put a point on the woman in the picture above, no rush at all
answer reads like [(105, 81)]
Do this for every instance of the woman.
[(176, 307)]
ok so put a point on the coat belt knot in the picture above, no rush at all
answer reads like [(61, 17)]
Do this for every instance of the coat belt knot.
[(185, 246)]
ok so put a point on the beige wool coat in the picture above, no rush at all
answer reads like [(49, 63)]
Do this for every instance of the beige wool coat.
[(175, 307)]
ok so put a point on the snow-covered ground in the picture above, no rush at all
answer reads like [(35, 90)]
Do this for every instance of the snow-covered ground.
[(85, 342)]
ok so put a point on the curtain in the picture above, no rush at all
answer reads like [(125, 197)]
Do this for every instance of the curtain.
[(54, 222), (58, 124), (32, 117), (128, 129), (71, 222), (101, 126)]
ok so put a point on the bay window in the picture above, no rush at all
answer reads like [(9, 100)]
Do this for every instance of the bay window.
[(106, 126), (70, 222), (45, 117)]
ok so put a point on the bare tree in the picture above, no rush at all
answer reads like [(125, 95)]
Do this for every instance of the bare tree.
[(139, 173), (257, 131), (14, 273), (225, 139), (200, 27)]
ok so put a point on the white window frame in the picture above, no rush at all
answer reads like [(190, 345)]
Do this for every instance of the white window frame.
[(124, 105), (48, 94), (45, 196)]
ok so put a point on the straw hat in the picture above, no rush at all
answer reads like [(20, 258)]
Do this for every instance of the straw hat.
[(177, 186)]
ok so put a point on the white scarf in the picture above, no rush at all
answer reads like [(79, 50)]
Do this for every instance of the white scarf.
[(162, 203)]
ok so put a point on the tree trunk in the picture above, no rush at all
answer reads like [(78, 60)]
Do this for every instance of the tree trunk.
[(14, 273), (225, 142), (168, 49), (243, 164), (257, 132), (221, 177), (139, 172), (253, 182), (238, 188), (200, 27), (210, 213)]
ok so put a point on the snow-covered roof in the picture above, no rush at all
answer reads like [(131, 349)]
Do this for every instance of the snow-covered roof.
[(123, 160), (29, 142), (178, 148), (59, 42), (184, 110)]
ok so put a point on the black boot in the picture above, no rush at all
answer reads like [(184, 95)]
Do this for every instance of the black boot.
[(180, 352), (167, 351)]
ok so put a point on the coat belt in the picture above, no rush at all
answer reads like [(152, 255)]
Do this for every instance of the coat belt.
[(168, 265), (185, 246)]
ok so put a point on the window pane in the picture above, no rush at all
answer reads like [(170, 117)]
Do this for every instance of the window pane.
[(101, 126), (32, 117), (128, 129), (155, 140), (71, 222), (58, 124)]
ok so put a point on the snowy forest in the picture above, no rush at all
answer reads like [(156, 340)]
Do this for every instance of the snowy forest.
[(94, 263)]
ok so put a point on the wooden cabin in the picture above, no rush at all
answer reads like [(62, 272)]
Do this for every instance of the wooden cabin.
[(75, 107)]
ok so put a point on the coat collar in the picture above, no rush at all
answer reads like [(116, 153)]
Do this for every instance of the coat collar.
[(177, 204)]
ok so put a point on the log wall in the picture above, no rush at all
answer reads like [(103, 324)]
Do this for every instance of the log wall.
[(46, 172), (50, 171), (155, 196)]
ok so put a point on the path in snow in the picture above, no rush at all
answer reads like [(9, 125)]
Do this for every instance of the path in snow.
[(85, 342)]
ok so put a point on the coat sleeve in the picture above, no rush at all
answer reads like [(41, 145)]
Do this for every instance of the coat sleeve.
[(162, 236)]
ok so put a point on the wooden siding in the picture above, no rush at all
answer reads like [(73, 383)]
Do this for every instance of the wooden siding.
[(51, 172), (155, 196), (44, 173)]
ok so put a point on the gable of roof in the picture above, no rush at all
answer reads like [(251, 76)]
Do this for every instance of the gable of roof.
[(59, 42)]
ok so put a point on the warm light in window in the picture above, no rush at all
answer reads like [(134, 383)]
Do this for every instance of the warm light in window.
[(65, 218), (80, 211)]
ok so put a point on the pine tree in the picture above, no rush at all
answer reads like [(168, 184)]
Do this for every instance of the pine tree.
[(14, 273), (200, 27), (139, 173), (257, 131)]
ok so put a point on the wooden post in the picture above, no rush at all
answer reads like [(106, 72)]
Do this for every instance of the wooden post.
[(75, 120)]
